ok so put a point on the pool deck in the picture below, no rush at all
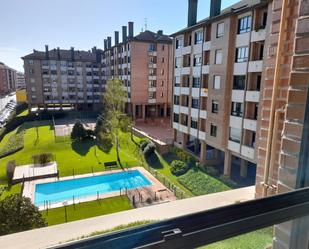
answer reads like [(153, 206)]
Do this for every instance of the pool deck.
[(145, 192)]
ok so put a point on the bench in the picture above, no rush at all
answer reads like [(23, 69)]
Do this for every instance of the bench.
[(110, 165)]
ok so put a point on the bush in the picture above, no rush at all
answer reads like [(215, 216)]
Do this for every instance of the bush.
[(14, 144), (10, 168), (104, 142), (211, 171), (43, 158), (149, 149), (179, 167), (78, 131), (200, 183), (228, 181)]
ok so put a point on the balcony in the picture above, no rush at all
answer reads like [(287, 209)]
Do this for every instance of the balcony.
[(258, 35), (205, 69), (152, 77), (175, 125), (203, 114), (247, 151), (193, 132), (194, 112), (152, 65), (185, 90), (152, 89), (207, 46), (184, 109), (177, 90), (152, 101), (45, 66), (202, 135), (185, 70), (204, 92), (233, 146), (250, 124), (183, 128), (243, 39), (197, 48), (195, 92), (240, 68), (253, 96), (235, 122), (152, 53), (176, 108), (186, 50), (238, 96), (255, 66), (196, 71)]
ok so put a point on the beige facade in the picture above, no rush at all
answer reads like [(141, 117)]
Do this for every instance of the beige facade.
[(64, 78), (8, 78), (144, 63), (217, 83)]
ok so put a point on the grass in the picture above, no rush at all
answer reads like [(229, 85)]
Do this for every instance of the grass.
[(200, 183), (14, 189), (24, 113), (15, 143), (83, 157), (87, 210), (259, 239)]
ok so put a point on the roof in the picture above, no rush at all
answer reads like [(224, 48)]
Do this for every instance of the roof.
[(64, 55), (235, 8), (150, 36)]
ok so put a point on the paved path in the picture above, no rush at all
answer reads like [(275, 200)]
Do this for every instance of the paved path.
[(6, 99), (41, 238)]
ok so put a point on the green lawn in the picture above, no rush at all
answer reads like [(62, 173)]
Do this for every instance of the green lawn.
[(256, 240), (87, 210), (81, 157), (24, 113), (15, 189)]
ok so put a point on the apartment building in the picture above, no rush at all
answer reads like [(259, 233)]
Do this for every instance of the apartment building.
[(20, 81), (218, 72), (283, 135), (60, 78), (144, 63), (8, 79)]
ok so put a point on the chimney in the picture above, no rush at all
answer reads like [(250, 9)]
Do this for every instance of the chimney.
[(46, 52), (72, 53), (109, 42), (105, 44), (58, 53), (131, 31), (124, 33), (192, 12), (215, 8), (116, 37), (160, 32), (94, 50)]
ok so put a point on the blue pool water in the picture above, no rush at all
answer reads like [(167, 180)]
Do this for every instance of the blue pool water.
[(88, 186)]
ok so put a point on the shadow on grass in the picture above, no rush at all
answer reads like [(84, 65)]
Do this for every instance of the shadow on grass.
[(154, 162), (82, 147), (32, 124), (170, 157)]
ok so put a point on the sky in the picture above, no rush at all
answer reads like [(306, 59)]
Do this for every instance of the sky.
[(82, 24)]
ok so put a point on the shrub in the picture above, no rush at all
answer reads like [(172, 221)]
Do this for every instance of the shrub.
[(211, 171), (43, 158), (10, 168), (179, 167), (78, 131), (228, 181), (149, 149), (14, 144), (104, 141)]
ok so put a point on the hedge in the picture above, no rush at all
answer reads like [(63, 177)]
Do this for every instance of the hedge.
[(14, 144), (179, 167)]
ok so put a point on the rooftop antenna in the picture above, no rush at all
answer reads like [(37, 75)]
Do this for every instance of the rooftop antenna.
[(145, 23)]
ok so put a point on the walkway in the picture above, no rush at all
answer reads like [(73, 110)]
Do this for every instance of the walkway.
[(44, 237)]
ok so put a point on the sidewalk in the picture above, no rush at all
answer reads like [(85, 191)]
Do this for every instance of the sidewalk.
[(44, 237)]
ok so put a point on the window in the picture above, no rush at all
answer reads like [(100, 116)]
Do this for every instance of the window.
[(237, 109), (152, 83), (195, 103), (220, 29), (31, 71), (197, 61), (242, 54), (33, 89), (162, 47), (152, 59), (198, 37), (162, 71), (218, 56), (45, 63), (235, 134), (196, 82), (31, 62), (176, 117), (151, 72), (32, 80), (162, 60), (239, 82), (176, 100), (213, 130), (179, 43), (162, 82), (152, 95), (161, 94), (152, 47), (178, 62), (177, 81), (215, 106), (217, 81), (244, 24), (193, 123), (258, 82)]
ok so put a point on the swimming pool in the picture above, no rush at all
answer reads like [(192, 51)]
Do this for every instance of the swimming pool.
[(88, 186)]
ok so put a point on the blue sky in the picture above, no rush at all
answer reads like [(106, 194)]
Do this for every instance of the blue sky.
[(30, 24)]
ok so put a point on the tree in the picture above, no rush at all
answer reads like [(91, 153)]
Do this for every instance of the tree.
[(17, 214), (115, 117), (78, 131)]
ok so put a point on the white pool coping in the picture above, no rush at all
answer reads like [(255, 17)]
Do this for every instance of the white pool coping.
[(29, 187)]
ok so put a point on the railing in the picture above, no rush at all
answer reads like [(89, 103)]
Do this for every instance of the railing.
[(199, 229)]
